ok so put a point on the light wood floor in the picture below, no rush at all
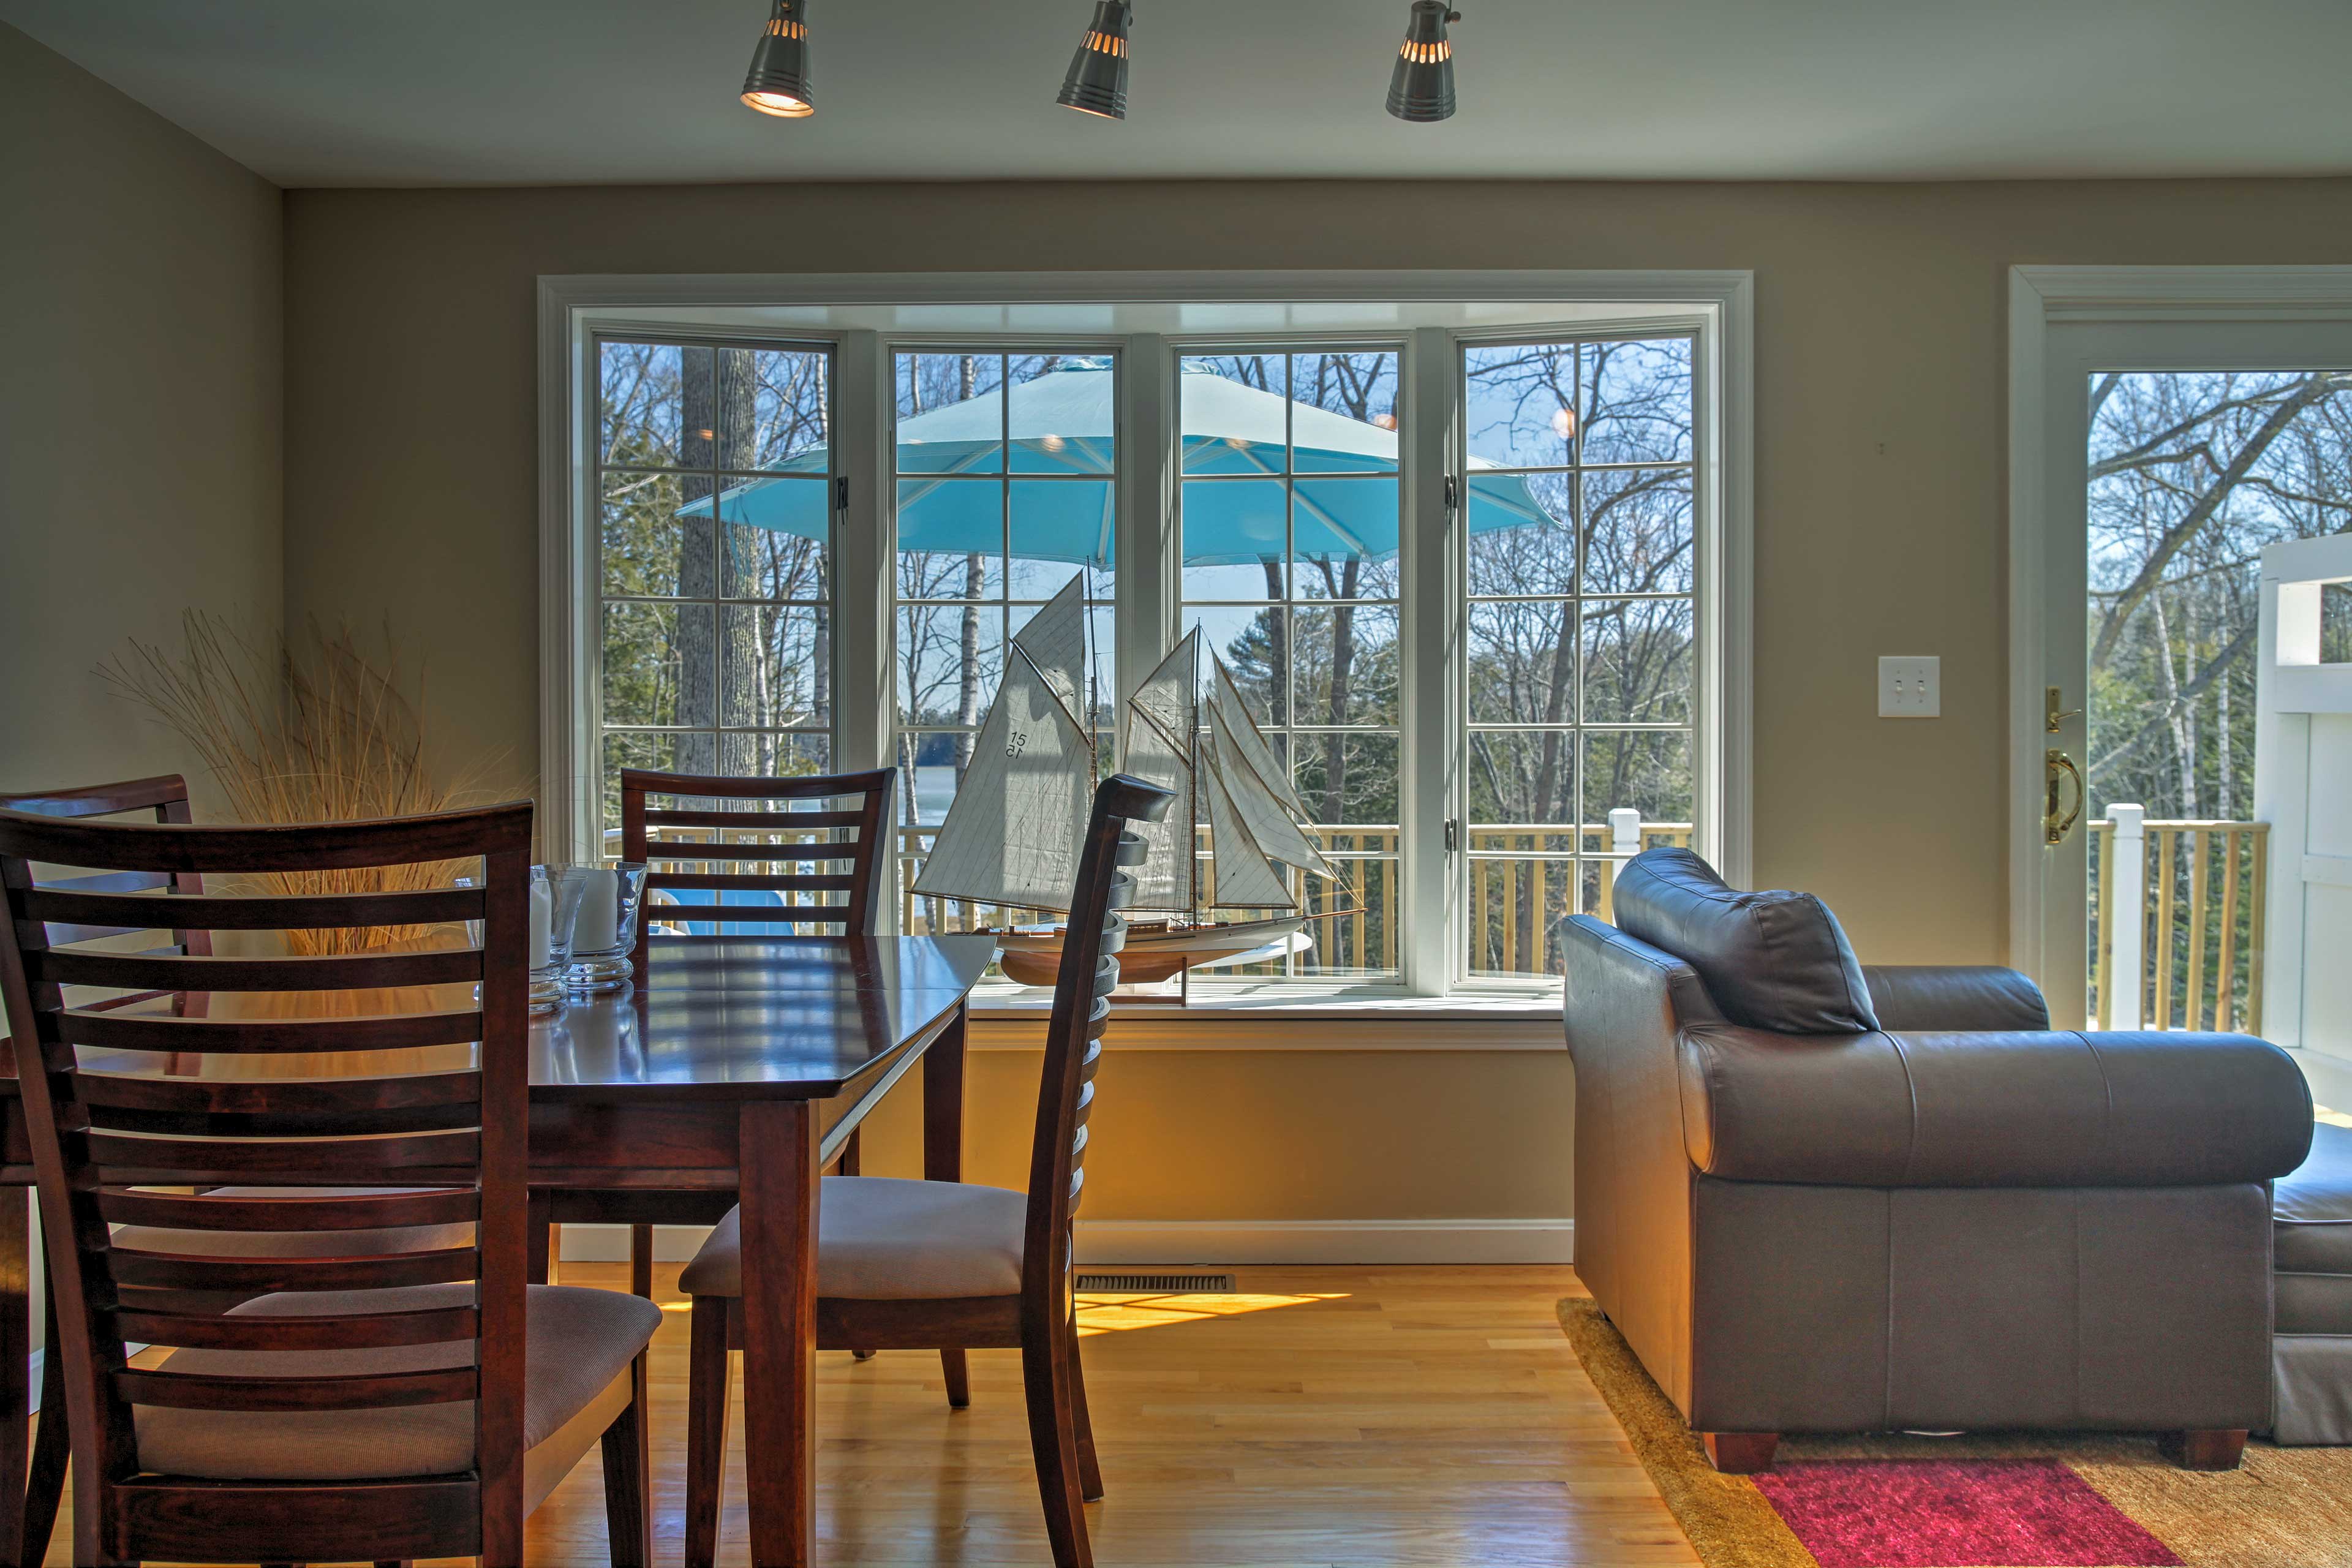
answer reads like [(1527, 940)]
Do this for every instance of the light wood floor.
[(1350, 1416)]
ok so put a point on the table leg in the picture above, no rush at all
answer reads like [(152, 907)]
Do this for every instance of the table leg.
[(16, 1369), (943, 1157), (779, 1169), (943, 1103)]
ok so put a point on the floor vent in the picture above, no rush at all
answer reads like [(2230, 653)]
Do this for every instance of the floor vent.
[(1158, 1284)]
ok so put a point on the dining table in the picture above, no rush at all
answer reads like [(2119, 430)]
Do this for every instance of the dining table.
[(737, 1066)]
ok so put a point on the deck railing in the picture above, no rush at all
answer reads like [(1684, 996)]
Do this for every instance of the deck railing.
[(1524, 881), (2185, 948), (2198, 888)]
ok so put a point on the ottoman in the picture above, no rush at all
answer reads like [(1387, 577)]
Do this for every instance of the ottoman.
[(2311, 1347)]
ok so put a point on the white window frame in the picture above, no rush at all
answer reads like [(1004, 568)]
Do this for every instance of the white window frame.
[(867, 317)]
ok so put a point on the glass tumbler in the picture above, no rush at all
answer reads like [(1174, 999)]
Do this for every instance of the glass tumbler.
[(555, 895), (606, 934)]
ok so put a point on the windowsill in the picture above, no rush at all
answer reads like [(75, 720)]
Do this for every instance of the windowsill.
[(1291, 1017)]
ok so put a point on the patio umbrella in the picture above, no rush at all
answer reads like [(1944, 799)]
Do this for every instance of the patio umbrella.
[(1060, 425)]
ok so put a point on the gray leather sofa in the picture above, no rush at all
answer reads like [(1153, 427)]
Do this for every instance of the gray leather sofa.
[(1820, 1198)]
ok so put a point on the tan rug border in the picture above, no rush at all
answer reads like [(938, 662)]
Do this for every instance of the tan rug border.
[(1729, 1523)]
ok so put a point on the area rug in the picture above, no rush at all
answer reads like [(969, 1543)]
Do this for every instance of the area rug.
[(1994, 1501)]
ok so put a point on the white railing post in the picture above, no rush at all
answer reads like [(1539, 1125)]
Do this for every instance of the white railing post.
[(2127, 975), (1624, 831)]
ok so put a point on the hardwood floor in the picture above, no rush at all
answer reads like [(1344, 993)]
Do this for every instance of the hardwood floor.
[(1347, 1417)]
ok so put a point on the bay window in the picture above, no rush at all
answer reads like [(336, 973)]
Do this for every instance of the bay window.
[(805, 548)]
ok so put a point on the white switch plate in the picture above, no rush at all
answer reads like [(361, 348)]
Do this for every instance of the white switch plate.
[(1910, 689)]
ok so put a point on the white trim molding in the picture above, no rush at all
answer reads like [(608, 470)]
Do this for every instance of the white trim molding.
[(2250, 305), (1216, 1241), (867, 312)]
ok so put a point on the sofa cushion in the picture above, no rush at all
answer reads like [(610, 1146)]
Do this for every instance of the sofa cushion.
[(2311, 1208), (1776, 961), (1954, 997)]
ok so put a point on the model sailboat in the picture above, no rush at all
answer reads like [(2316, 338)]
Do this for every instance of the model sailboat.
[(1011, 837)]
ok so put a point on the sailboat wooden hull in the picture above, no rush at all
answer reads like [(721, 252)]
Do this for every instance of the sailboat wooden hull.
[(1033, 954)]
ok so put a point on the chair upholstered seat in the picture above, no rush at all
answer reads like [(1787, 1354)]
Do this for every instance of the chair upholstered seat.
[(297, 1243), (576, 1379), (880, 1239)]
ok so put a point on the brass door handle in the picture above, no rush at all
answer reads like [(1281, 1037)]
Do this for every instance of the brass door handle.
[(2055, 825)]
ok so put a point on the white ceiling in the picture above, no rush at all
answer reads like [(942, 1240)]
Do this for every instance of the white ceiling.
[(339, 92)]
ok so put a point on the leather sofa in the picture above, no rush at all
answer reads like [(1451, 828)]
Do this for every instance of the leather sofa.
[(1817, 1197)]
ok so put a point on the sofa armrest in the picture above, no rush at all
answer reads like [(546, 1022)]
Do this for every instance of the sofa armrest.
[(2038, 1109), (1948, 997)]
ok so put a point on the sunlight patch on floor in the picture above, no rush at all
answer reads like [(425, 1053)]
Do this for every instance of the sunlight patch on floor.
[(1110, 1313)]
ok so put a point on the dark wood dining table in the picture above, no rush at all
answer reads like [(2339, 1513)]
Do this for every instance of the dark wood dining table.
[(738, 1065)]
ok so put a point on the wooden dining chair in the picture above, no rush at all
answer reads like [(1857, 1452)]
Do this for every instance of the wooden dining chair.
[(918, 1265), (163, 798), (829, 835), (376, 1402)]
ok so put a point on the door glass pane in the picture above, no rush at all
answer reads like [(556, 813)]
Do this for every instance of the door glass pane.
[(2191, 475)]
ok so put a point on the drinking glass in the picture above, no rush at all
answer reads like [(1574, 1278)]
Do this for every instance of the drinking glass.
[(606, 934), (555, 895)]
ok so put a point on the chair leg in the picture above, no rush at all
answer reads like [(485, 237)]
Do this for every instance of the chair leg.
[(959, 1376), (539, 1245), (1045, 1375), (628, 1483), (641, 1261), (52, 1443), (1090, 1481), (706, 1427)]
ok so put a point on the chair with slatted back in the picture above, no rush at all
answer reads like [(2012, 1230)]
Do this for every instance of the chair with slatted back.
[(846, 819), (918, 1265), (163, 798), (377, 1401)]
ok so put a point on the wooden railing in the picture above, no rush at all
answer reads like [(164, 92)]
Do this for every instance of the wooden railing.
[(2177, 922), (1526, 869), (1525, 878)]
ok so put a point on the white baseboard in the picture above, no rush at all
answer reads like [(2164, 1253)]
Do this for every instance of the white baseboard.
[(1218, 1241), (1326, 1241)]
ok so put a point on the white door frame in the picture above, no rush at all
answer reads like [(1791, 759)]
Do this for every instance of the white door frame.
[(2145, 315)]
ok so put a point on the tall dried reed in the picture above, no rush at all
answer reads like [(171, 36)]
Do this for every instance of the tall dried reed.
[(305, 730)]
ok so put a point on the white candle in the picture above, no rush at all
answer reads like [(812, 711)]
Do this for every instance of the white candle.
[(542, 920), (599, 927)]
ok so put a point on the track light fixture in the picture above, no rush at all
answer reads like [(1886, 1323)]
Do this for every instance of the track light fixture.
[(778, 82), (1097, 80), (1420, 88)]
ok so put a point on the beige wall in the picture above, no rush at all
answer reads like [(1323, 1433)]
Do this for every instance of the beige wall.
[(411, 484), (140, 432)]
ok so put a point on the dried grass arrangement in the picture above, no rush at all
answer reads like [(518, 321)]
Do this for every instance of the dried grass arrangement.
[(305, 730)]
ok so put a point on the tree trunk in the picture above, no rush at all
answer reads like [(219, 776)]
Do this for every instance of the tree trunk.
[(698, 567), (1277, 652), (741, 700), (968, 680)]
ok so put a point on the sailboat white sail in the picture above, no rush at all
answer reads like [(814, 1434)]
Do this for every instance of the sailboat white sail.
[(1245, 877), (1013, 835), (1160, 720)]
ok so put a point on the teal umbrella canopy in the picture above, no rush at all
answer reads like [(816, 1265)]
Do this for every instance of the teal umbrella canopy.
[(1060, 423)]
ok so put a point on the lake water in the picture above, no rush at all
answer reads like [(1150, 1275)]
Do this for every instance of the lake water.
[(934, 788)]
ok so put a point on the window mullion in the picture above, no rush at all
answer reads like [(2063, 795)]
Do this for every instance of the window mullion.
[(863, 555), (1150, 567), (1429, 759)]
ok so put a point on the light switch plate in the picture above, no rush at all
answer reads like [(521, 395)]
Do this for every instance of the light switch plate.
[(1910, 688)]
